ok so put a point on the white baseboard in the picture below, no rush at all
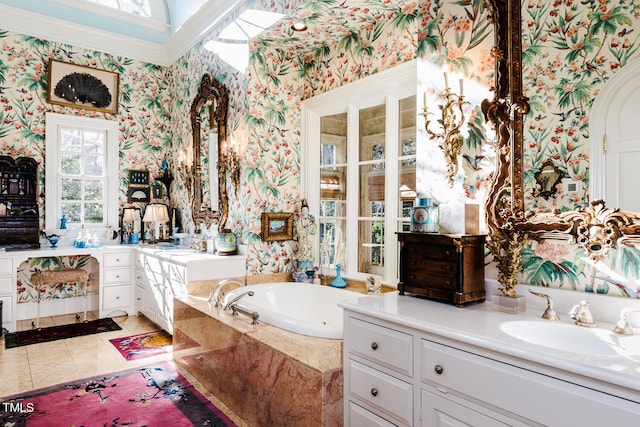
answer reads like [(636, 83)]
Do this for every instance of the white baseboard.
[(56, 307)]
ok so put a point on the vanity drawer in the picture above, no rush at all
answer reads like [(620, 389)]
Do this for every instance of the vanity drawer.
[(361, 417), (6, 285), (387, 347), (117, 275), (386, 394), (455, 371), (6, 267), (118, 259), (116, 297)]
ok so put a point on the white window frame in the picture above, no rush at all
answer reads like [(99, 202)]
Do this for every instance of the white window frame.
[(387, 87), (53, 210)]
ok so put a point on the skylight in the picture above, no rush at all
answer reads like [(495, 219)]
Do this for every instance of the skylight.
[(232, 44), (135, 7)]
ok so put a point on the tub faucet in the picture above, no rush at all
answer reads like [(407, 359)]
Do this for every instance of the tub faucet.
[(582, 315), (233, 302), (623, 326), (216, 295)]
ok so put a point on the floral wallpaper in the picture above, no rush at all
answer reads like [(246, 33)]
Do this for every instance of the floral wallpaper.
[(571, 48)]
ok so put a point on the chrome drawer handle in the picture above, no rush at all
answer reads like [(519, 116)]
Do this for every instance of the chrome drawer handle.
[(374, 392), (374, 346), (439, 369)]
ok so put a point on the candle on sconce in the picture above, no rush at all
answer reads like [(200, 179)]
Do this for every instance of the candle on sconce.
[(424, 100), (461, 87), (446, 79)]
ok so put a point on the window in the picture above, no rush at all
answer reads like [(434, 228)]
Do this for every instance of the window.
[(360, 160), (81, 171)]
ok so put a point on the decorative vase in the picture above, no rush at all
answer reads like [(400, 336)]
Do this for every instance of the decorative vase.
[(338, 282), (226, 243)]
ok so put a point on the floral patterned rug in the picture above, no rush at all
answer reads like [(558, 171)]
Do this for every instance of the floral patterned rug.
[(143, 345), (148, 396)]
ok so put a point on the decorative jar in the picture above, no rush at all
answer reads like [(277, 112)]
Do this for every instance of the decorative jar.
[(226, 243)]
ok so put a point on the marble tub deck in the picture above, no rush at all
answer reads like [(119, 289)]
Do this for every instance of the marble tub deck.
[(266, 375)]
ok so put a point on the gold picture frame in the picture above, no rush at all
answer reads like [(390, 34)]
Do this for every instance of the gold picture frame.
[(277, 226), (79, 86)]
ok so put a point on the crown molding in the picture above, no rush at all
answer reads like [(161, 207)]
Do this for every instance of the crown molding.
[(35, 25), (210, 15)]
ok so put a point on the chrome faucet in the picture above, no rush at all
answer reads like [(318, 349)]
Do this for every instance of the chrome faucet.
[(233, 302), (216, 295), (623, 326), (582, 315)]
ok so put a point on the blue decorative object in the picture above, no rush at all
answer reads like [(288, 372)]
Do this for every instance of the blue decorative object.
[(53, 240), (338, 282), (425, 216), (63, 222)]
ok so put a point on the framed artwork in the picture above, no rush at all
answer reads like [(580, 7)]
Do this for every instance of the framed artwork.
[(79, 86), (277, 226), (138, 178), (139, 189), (139, 194)]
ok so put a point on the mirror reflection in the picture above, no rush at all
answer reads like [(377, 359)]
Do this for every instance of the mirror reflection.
[(209, 123), (542, 106)]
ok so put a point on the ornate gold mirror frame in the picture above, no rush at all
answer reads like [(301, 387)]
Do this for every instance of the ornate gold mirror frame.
[(210, 92), (596, 228)]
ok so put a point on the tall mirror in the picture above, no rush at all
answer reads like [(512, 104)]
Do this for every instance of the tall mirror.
[(209, 127), (531, 136)]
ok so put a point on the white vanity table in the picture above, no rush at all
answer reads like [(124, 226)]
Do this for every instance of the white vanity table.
[(413, 362), (130, 278)]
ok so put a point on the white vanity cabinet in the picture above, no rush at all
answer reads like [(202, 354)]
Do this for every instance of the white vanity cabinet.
[(166, 274), (405, 373)]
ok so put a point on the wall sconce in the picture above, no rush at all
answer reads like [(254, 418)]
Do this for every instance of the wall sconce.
[(231, 164), (451, 121), (155, 213)]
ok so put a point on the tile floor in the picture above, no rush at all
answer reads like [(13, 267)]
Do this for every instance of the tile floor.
[(39, 365)]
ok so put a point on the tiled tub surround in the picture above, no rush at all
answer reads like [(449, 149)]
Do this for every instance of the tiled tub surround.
[(267, 375)]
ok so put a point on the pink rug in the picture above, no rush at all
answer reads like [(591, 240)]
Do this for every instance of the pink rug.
[(143, 345), (153, 396)]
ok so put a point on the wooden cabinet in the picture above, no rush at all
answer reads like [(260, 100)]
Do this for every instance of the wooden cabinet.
[(19, 217), (443, 267)]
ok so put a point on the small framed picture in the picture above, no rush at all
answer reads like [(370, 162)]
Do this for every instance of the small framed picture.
[(139, 194), (137, 178), (79, 86), (277, 226)]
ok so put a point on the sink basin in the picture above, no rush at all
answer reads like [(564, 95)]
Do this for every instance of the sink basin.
[(574, 338)]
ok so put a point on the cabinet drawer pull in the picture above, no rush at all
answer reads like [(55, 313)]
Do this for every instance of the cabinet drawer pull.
[(374, 391), (439, 369), (117, 259), (448, 253), (117, 297), (374, 346)]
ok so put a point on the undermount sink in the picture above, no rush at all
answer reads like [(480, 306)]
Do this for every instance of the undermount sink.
[(574, 338)]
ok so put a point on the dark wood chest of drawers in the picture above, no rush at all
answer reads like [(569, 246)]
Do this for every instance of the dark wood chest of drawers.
[(442, 267)]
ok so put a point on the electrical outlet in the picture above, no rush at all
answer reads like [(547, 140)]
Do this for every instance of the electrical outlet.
[(572, 187)]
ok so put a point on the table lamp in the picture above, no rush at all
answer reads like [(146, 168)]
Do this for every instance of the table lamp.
[(155, 213)]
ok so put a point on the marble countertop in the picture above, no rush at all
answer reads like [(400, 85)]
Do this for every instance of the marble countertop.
[(479, 325)]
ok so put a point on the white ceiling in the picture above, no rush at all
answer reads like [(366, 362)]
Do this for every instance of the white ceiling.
[(158, 43)]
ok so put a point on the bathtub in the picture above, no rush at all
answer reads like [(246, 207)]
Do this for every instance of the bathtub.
[(303, 308)]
